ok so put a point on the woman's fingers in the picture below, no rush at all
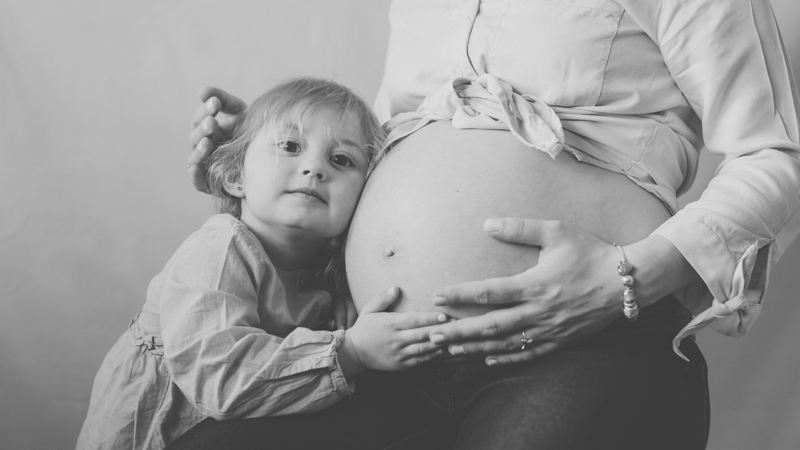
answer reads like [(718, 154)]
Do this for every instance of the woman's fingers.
[(198, 177), (200, 152), (217, 115), (511, 343), (523, 231), (530, 353), (212, 122), (208, 128), (490, 326), (210, 107), (228, 104), (484, 292), (384, 300)]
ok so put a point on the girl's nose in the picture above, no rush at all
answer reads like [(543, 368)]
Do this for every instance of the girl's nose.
[(313, 166), (316, 173)]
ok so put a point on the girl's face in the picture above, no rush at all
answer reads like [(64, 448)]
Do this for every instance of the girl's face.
[(305, 177)]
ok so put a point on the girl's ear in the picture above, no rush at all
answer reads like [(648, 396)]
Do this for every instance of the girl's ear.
[(234, 186)]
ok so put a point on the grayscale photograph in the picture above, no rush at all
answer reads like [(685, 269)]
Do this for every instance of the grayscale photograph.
[(399, 224)]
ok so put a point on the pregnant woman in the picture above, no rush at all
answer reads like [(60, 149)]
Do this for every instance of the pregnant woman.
[(526, 139)]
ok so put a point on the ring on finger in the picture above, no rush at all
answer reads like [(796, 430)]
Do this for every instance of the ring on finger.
[(525, 341)]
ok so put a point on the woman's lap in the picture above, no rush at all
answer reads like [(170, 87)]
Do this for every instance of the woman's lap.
[(579, 399), (623, 389)]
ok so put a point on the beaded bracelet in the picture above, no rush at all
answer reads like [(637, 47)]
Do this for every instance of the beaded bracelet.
[(629, 306)]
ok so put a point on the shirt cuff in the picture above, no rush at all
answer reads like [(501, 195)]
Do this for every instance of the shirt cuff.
[(734, 284), (339, 382)]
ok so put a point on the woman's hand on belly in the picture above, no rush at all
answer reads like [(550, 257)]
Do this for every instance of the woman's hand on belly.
[(572, 293)]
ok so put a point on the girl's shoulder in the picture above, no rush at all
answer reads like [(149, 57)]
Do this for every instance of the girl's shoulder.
[(223, 240)]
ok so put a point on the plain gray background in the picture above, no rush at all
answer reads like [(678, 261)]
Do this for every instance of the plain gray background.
[(95, 100)]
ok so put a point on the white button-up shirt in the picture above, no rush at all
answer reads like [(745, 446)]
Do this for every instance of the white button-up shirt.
[(640, 87)]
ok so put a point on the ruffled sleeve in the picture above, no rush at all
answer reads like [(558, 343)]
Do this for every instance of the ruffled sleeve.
[(225, 364), (727, 58)]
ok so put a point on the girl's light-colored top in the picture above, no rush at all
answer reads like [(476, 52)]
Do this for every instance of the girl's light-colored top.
[(223, 334), (639, 88)]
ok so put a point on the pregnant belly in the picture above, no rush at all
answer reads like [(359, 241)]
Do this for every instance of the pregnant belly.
[(419, 224)]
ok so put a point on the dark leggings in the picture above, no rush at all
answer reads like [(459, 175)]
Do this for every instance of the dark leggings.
[(622, 389)]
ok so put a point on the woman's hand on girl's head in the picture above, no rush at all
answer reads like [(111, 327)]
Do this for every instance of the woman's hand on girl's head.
[(573, 292), (212, 123), (392, 341)]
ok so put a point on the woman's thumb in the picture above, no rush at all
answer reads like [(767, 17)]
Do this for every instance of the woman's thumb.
[(523, 231)]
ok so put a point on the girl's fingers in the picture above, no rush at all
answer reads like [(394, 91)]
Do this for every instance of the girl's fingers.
[(422, 334), (418, 320), (339, 315), (384, 300), (490, 326), (529, 354), (421, 348)]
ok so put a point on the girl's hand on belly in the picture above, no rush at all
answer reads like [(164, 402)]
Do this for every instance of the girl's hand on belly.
[(573, 292), (388, 341)]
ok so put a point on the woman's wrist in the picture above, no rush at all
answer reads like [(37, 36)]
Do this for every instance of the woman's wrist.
[(659, 269)]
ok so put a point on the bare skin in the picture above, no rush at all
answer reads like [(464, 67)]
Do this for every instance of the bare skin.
[(570, 294)]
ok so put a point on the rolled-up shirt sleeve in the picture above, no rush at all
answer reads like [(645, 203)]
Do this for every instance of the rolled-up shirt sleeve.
[(728, 60), (216, 352)]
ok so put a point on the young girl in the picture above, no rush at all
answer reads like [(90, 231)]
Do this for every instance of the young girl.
[(228, 327)]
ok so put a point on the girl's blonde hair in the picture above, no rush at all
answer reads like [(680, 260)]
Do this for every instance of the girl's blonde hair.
[(296, 97)]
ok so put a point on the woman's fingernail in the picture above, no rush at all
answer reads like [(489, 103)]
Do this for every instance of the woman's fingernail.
[(442, 317), (210, 103), (437, 338), (439, 300), (391, 290), (456, 350), (491, 362), (491, 225)]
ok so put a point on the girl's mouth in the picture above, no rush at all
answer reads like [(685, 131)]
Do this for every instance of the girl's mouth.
[(308, 192)]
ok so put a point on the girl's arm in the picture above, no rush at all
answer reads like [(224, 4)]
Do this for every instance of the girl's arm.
[(215, 349), (225, 364)]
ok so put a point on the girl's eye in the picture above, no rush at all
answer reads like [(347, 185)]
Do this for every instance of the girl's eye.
[(341, 160), (289, 146)]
